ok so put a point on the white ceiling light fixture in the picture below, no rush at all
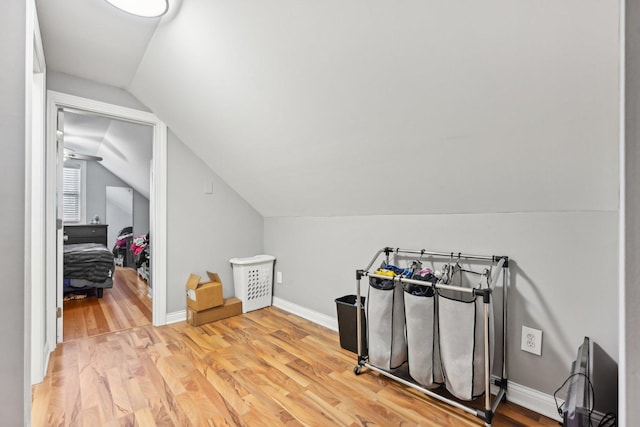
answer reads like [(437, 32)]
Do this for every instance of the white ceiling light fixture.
[(144, 8)]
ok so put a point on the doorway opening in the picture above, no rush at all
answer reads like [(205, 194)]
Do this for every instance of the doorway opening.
[(106, 214), (82, 209)]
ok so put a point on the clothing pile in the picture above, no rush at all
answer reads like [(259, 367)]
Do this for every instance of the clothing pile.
[(140, 249), (121, 248)]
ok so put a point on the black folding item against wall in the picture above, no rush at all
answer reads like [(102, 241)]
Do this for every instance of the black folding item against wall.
[(576, 409)]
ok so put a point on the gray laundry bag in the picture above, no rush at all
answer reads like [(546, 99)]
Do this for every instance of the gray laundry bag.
[(422, 335), (385, 324), (461, 337)]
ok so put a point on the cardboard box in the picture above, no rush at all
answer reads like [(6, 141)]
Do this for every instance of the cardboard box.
[(201, 296), (231, 307)]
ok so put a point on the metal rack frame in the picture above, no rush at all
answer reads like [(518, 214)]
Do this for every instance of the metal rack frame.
[(490, 406)]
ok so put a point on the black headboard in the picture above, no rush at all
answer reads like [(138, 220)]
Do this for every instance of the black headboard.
[(91, 233)]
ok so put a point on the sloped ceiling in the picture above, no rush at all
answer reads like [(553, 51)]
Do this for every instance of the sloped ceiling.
[(93, 40), (394, 107), (125, 148)]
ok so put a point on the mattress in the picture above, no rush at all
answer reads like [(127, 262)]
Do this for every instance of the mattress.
[(91, 262)]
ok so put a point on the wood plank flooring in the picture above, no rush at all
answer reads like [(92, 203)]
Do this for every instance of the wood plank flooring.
[(263, 368), (124, 306)]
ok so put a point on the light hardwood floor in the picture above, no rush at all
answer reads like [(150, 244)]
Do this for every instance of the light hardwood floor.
[(263, 368), (124, 306)]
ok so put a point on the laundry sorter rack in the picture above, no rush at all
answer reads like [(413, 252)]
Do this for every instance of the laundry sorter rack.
[(483, 296)]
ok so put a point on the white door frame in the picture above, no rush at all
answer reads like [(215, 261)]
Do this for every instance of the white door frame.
[(158, 199), (34, 209), (36, 347)]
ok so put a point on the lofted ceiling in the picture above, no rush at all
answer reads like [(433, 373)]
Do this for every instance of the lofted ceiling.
[(125, 148), (311, 108), (93, 40)]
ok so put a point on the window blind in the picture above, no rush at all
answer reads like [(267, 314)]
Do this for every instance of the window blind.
[(72, 185)]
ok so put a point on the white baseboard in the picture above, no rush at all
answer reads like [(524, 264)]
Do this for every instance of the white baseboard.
[(41, 371), (524, 396), (537, 401), (529, 398), (46, 356), (176, 316), (305, 313)]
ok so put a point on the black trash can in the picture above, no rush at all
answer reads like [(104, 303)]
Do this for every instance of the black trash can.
[(347, 323)]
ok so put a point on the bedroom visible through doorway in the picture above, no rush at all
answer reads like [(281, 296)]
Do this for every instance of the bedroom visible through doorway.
[(104, 195), (52, 151)]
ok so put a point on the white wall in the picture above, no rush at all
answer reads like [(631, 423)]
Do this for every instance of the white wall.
[(14, 363), (631, 289), (205, 230), (324, 114), (563, 271), (127, 151), (125, 147), (78, 86), (98, 178), (506, 112), (313, 108), (119, 212)]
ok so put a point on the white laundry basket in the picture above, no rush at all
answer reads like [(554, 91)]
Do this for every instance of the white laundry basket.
[(253, 281)]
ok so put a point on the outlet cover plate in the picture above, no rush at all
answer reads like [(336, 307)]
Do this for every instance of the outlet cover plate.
[(531, 340), (279, 277), (208, 187)]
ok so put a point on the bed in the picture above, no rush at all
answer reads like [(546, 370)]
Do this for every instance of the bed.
[(88, 263)]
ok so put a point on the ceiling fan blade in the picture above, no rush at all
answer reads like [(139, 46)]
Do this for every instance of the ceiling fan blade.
[(78, 156)]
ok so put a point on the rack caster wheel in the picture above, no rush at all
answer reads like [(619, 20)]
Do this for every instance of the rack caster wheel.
[(504, 398), (356, 370)]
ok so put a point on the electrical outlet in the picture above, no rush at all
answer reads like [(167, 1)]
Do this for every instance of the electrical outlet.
[(279, 277), (208, 187), (531, 340)]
